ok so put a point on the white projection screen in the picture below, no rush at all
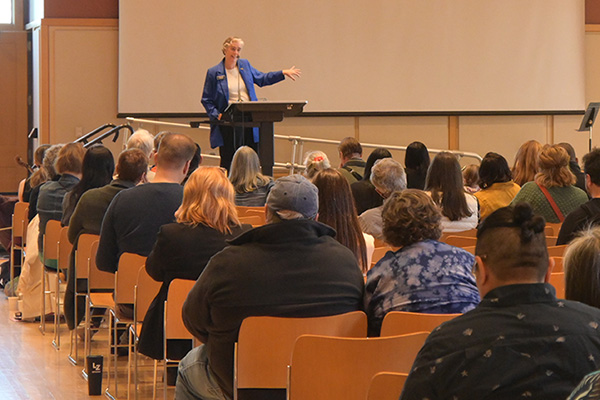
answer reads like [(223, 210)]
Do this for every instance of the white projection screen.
[(360, 56)]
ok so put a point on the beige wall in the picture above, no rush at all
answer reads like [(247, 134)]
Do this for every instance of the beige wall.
[(81, 70)]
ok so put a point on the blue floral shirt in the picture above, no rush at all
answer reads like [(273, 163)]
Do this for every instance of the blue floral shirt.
[(428, 276)]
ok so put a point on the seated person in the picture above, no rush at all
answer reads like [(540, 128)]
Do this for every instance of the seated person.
[(314, 162), (421, 274), (352, 166), (520, 341), (364, 193), (251, 187), (497, 187)]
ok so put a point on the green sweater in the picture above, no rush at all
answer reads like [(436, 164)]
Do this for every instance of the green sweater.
[(567, 199)]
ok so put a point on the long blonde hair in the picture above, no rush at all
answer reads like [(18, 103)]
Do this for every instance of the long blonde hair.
[(244, 173), (526, 160), (208, 199)]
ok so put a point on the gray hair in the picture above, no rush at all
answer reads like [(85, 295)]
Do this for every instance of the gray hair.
[(582, 267), (315, 162), (143, 140), (388, 176)]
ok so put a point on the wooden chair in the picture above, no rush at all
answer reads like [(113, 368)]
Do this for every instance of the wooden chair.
[(145, 291), (379, 243), (335, 368), (549, 231), (125, 282), (551, 240), (265, 345), (64, 253), (51, 240), (470, 233), (470, 249), (461, 241), (245, 211), (82, 255), (174, 327), (378, 254), (386, 386), (557, 279), (558, 264), (254, 220), (555, 228), (557, 251), (20, 221), (402, 322)]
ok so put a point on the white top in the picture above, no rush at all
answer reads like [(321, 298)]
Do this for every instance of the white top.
[(463, 224), (237, 86)]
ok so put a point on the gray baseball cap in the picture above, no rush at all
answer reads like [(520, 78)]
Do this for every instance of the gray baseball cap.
[(294, 193)]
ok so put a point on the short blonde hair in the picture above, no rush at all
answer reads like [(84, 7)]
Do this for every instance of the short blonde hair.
[(553, 167), (230, 40), (208, 199), (244, 173)]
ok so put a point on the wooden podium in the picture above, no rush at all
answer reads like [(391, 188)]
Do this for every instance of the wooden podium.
[(261, 114)]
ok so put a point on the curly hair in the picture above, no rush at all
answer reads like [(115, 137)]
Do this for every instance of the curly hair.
[(409, 217), (553, 166)]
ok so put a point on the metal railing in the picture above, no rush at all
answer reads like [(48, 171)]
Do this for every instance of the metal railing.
[(114, 131), (298, 146), (88, 135)]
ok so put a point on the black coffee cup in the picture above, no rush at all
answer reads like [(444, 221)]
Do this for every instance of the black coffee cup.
[(94, 373)]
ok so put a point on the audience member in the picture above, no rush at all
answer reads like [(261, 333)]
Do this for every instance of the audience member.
[(49, 204), (206, 219), (143, 140), (251, 187), (291, 267), (520, 342), (497, 187), (363, 191), (314, 162), (194, 164), (37, 177), (134, 216), (574, 165), (131, 169), (388, 177), (582, 268), (552, 195), (352, 165), (526, 160), (97, 170), (445, 185), (417, 162), (336, 209), (471, 178), (49, 175), (588, 213), (421, 274)]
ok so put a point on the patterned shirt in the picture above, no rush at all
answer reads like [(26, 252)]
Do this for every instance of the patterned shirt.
[(427, 276), (519, 343)]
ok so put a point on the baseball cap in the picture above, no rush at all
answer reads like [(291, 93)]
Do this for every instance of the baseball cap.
[(294, 193)]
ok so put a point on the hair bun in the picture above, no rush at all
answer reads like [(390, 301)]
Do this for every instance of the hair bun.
[(529, 223)]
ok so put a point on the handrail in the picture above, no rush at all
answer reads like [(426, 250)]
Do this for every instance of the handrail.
[(114, 131), (88, 135)]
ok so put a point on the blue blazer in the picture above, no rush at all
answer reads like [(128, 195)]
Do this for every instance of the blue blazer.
[(215, 96)]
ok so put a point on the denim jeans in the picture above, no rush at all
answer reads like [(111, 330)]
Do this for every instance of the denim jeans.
[(194, 379)]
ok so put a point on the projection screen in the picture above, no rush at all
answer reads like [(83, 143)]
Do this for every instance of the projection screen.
[(360, 56)]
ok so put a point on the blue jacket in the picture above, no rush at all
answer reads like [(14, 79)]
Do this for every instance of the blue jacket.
[(215, 96)]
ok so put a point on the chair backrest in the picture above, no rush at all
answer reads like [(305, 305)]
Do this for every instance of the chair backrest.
[(557, 279), (470, 233), (146, 290), (51, 238), (20, 219), (244, 211), (378, 254), (461, 241), (98, 280), (386, 386), (334, 368), (379, 243), (126, 277), (254, 220), (64, 249), (174, 327), (555, 228), (402, 322), (558, 264), (470, 249), (557, 251), (82, 254), (265, 344), (551, 240)]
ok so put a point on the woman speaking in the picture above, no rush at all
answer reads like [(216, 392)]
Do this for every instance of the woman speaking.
[(230, 81)]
